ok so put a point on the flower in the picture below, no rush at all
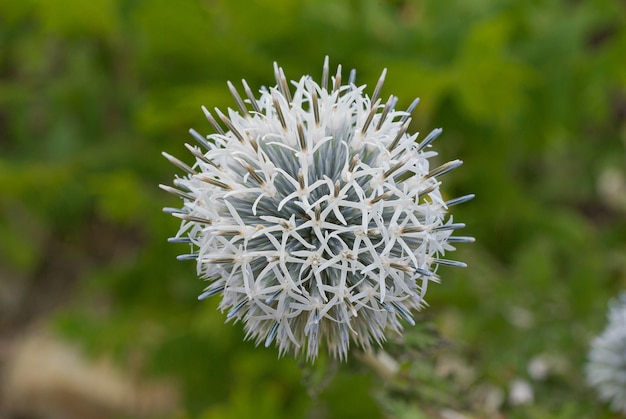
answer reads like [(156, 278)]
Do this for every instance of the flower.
[(606, 365), (315, 215)]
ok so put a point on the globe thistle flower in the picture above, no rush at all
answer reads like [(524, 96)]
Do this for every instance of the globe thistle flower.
[(315, 214), (606, 366)]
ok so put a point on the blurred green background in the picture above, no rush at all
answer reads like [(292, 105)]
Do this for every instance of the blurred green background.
[(531, 96)]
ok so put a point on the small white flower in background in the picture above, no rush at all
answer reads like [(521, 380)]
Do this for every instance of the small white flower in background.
[(606, 365), (520, 392), (314, 214), (539, 368)]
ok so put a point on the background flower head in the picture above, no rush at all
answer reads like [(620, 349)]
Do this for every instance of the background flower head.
[(314, 213), (606, 367)]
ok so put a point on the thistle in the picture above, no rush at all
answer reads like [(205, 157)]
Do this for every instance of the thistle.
[(315, 214), (606, 366)]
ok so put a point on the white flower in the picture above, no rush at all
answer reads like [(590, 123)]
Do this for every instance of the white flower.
[(315, 214), (606, 366), (520, 392)]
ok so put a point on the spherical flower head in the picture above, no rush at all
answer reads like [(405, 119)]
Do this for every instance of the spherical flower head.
[(606, 366), (315, 215)]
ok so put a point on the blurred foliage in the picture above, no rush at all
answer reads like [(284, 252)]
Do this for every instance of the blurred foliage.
[(531, 95)]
